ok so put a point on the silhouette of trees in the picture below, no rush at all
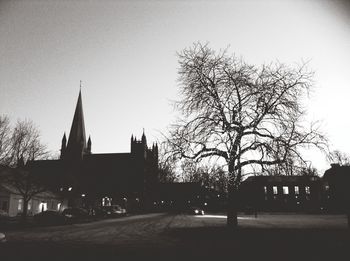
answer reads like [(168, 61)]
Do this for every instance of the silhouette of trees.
[(5, 140), (18, 146), (210, 177), (166, 164), (339, 157), (247, 116)]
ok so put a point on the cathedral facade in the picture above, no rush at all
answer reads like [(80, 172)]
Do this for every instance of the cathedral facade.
[(89, 179)]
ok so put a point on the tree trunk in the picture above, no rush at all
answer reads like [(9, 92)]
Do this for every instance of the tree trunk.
[(232, 209)]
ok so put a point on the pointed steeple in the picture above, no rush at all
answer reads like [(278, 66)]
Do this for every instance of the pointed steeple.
[(63, 145), (143, 139), (77, 139), (89, 145)]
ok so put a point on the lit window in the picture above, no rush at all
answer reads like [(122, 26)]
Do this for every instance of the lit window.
[(296, 190), (29, 205), (58, 206), (106, 201), (285, 190), (307, 190), (42, 206), (275, 190), (20, 204), (265, 189)]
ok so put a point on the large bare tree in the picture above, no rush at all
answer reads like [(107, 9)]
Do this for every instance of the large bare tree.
[(247, 116)]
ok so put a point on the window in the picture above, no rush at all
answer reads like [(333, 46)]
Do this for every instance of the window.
[(42, 207), (20, 204), (307, 190), (275, 191), (265, 190), (29, 205), (285, 190), (106, 201), (296, 190)]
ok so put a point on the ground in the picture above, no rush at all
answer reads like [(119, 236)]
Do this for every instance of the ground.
[(185, 237)]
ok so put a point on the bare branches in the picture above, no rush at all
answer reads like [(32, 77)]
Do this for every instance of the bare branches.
[(5, 140), (244, 114), (339, 157), (25, 142)]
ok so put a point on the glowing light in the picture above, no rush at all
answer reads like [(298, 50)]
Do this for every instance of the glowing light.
[(70, 189), (83, 195)]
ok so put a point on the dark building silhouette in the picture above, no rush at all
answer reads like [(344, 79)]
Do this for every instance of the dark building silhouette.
[(282, 193), (179, 196), (89, 179), (337, 188)]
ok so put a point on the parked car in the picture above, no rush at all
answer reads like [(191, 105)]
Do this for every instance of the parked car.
[(2, 238), (195, 211), (114, 211), (75, 214), (49, 217)]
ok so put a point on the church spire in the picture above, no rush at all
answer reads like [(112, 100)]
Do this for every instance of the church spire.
[(77, 139)]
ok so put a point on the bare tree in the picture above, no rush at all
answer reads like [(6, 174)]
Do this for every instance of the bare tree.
[(339, 157), (5, 140), (26, 183), (213, 177), (25, 143), (249, 117)]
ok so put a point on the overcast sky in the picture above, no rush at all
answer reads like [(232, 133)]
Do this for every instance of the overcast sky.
[(125, 54)]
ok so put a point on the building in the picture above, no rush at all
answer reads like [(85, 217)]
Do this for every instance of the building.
[(11, 201), (89, 179), (282, 193), (337, 184)]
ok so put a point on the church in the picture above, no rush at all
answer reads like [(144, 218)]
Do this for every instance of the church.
[(89, 179)]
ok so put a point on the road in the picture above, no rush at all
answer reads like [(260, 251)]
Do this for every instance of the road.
[(183, 237)]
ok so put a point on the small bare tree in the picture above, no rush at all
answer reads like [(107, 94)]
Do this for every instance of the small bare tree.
[(247, 116), (5, 140), (25, 143), (339, 157)]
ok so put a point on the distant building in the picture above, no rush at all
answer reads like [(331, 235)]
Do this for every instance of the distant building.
[(88, 179), (337, 188), (181, 195), (282, 193)]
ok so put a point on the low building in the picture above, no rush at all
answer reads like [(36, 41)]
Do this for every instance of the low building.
[(282, 193), (11, 201), (181, 195)]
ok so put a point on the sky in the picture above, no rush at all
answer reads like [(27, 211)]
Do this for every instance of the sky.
[(124, 52)]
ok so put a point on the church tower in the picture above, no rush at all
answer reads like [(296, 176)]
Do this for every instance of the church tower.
[(76, 146)]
